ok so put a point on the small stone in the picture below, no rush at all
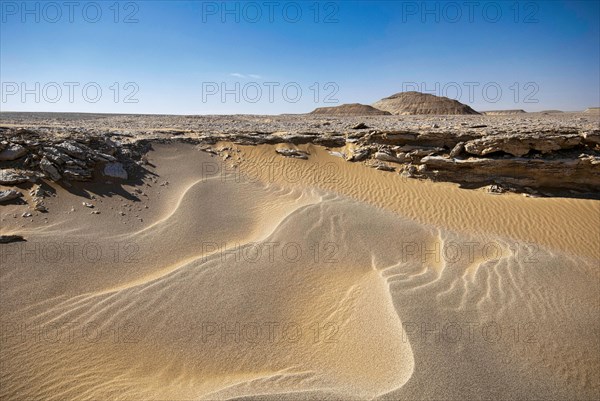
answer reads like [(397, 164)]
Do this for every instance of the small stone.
[(296, 154), (360, 126), (495, 189), (26, 214), (457, 149), (86, 204)]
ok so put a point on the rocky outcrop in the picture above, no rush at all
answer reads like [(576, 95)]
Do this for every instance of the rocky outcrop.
[(580, 174), (64, 160), (417, 103), (520, 145), (521, 152), (354, 109)]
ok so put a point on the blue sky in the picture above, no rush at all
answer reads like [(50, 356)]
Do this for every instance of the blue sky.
[(195, 57)]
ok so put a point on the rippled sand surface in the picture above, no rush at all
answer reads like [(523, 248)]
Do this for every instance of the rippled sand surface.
[(301, 279)]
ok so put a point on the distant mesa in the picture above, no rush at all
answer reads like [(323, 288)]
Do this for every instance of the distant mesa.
[(503, 112), (353, 109), (414, 103), (595, 110)]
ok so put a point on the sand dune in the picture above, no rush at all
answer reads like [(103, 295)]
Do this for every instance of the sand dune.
[(324, 280)]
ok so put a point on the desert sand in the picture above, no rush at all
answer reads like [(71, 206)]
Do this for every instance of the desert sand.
[(229, 271)]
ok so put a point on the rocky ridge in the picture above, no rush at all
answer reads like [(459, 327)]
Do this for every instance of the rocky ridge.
[(538, 154)]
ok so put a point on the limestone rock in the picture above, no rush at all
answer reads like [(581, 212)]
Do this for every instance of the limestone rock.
[(358, 154), (9, 194), (360, 126), (73, 149), (48, 168), (520, 145), (386, 156), (297, 154), (13, 152), (556, 174), (457, 149), (12, 177)]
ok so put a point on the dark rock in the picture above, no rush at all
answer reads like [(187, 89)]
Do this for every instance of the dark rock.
[(6, 239)]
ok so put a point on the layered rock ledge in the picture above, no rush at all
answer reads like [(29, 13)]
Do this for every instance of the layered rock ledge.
[(533, 153)]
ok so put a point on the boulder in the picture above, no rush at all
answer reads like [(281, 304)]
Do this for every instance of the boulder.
[(74, 149), (13, 152), (9, 194)]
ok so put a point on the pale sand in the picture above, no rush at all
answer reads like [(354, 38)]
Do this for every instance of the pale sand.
[(332, 280)]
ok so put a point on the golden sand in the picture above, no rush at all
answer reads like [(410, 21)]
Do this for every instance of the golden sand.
[(300, 279)]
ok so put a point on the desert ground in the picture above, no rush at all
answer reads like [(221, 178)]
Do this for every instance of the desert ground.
[(313, 257)]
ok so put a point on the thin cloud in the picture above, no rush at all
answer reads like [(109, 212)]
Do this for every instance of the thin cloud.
[(245, 76)]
